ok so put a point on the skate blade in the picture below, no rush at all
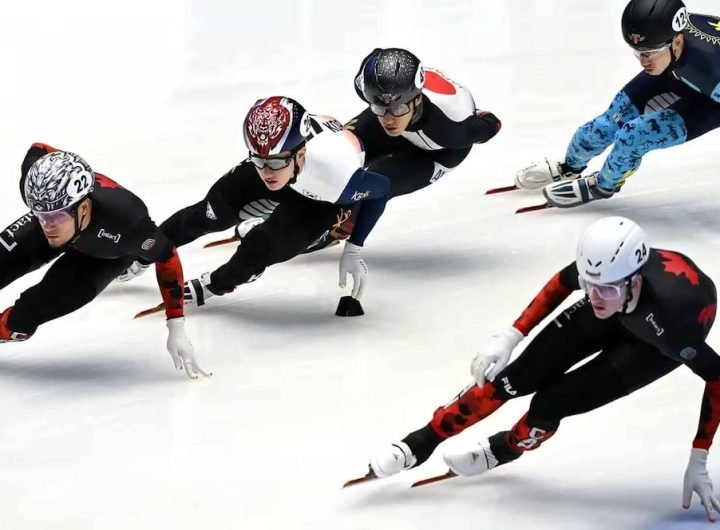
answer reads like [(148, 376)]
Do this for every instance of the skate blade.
[(503, 189), (151, 311), (367, 478), (432, 480), (219, 242), (534, 208)]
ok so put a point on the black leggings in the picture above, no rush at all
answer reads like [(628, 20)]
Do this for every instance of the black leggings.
[(72, 281)]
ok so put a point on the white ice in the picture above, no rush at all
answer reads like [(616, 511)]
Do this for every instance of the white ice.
[(99, 431)]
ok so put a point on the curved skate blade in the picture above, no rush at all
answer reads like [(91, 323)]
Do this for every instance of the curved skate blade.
[(219, 242), (503, 189), (534, 208), (367, 478), (151, 311), (432, 480)]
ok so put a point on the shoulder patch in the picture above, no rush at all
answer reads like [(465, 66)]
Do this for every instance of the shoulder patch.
[(688, 353), (434, 82)]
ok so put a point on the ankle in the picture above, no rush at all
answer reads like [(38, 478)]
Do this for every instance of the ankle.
[(567, 170), (423, 442), (501, 449)]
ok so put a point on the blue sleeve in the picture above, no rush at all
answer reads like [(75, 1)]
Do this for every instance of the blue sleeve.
[(373, 189), (365, 185)]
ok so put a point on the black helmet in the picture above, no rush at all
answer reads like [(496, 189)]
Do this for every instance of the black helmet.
[(390, 76), (653, 23)]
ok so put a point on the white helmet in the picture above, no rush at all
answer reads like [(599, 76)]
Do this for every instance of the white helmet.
[(57, 180), (610, 250)]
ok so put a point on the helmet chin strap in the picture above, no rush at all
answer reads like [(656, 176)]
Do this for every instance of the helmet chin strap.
[(296, 169), (78, 223), (629, 294), (417, 113)]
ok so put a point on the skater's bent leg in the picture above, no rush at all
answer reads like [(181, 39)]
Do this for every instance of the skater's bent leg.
[(619, 370)]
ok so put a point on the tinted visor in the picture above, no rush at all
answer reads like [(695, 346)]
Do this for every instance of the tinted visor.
[(56, 217), (396, 109), (273, 164)]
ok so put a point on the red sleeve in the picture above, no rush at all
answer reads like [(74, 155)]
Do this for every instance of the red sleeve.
[(551, 296), (171, 282), (709, 416)]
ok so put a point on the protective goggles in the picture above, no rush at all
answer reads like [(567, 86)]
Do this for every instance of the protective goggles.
[(395, 109), (56, 217), (650, 52), (606, 291), (273, 164)]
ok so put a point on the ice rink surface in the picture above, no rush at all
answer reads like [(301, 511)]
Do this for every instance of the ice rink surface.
[(98, 430)]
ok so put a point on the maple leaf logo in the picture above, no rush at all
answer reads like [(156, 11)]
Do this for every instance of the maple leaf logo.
[(676, 264), (707, 315), (105, 182)]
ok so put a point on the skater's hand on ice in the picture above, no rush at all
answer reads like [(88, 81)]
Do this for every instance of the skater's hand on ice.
[(352, 262), (495, 355), (697, 480), (181, 349)]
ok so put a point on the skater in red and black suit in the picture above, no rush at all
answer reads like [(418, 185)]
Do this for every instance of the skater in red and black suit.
[(646, 311), (95, 228)]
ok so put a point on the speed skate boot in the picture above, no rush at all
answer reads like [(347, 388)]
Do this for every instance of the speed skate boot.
[(413, 450), (473, 460), (540, 174), (392, 459), (481, 457), (576, 192)]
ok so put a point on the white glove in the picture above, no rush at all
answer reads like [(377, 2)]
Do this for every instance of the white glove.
[(181, 349), (496, 352), (698, 480), (352, 262), (133, 271), (198, 290)]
